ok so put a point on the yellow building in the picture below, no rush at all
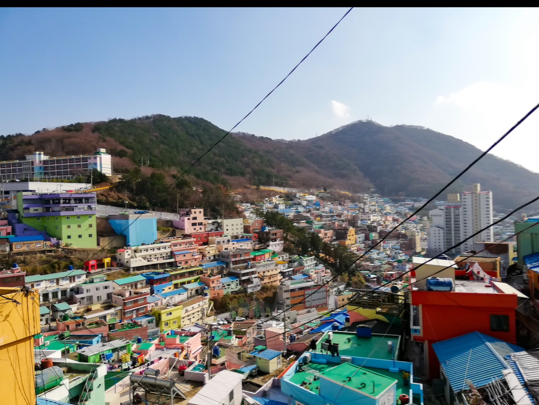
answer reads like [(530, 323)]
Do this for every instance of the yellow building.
[(18, 325), (350, 238), (168, 318)]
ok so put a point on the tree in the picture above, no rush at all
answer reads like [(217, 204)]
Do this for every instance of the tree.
[(96, 177)]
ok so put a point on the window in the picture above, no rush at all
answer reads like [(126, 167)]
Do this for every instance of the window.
[(39, 219), (80, 236), (499, 323), (78, 217), (168, 314), (68, 227), (68, 218), (90, 225), (79, 226), (68, 236), (56, 218), (54, 295), (18, 245), (99, 298), (90, 235), (56, 227), (98, 288), (48, 218), (87, 291), (166, 324)]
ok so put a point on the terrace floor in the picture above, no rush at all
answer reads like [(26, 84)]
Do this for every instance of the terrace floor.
[(351, 345)]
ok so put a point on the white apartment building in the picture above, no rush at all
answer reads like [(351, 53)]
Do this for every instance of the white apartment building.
[(57, 286), (194, 311), (232, 227), (142, 257), (96, 290), (477, 214)]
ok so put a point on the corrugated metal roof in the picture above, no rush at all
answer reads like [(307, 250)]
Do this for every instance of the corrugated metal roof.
[(474, 356), (268, 354), (228, 279), (62, 306), (129, 280), (32, 238), (54, 276), (194, 285), (173, 292)]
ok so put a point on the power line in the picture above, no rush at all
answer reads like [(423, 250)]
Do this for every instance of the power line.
[(240, 121), (483, 154)]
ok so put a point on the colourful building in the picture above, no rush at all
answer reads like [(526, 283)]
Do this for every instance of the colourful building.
[(69, 217), (471, 306), (137, 228), (215, 288), (191, 220), (20, 314), (168, 318), (230, 284)]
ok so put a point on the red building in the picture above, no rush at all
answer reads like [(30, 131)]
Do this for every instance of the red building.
[(472, 306), (133, 303), (201, 238), (253, 226), (13, 277)]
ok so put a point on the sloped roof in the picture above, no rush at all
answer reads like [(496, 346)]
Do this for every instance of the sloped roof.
[(474, 356)]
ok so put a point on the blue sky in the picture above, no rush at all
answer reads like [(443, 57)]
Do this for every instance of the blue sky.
[(470, 73)]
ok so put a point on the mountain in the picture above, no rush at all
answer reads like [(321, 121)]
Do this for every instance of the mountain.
[(357, 157)]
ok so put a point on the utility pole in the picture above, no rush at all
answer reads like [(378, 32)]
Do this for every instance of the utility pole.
[(210, 350)]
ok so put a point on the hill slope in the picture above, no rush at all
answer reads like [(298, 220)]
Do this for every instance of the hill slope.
[(358, 156)]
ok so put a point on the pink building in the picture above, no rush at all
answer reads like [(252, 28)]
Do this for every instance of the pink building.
[(274, 339), (191, 220), (5, 229), (326, 235), (187, 258), (214, 284), (177, 245), (189, 343)]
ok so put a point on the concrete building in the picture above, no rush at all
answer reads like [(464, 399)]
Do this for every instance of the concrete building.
[(138, 228), (96, 290), (224, 388), (230, 284), (131, 295), (191, 220), (168, 317), (146, 257), (296, 294), (56, 286), (11, 278), (69, 217), (232, 227), (38, 166), (194, 311), (477, 213)]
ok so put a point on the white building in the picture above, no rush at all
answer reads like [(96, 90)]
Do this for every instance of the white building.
[(477, 214), (151, 256), (53, 287), (232, 227), (37, 166), (224, 388), (96, 290)]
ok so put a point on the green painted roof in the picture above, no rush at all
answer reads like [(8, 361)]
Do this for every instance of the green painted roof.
[(43, 310), (261, 252), (359, 379), (145, 346), (62, 306), (44, 277), (129, 280)]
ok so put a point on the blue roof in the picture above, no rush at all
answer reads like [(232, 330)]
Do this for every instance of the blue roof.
[(152, 299), (183, 252), (475, 356), (212, 264), (143, 317), (154, 275), (45, 401), (241, 240), (27, 238), (246, 369), (173, 292), (300, 277), (268, 354), (228, 279), (267, 401), (326, 327), (532, 261), (194, 285)]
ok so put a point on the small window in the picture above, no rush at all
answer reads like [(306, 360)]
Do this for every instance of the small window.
[(56, 227), (68, 227), (68, 236), (68, 218), (39, 219), (48, 218), (78, 217), (79, 226), (499, 323), (80, 236), (90, 226)]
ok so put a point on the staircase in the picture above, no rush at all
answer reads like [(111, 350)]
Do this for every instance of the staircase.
[(86, 393)]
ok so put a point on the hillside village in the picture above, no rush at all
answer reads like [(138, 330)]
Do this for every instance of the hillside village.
[(302, 285)]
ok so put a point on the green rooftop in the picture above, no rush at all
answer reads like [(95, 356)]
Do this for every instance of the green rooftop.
[(335, 372), (129, 280), (261, 252), (145, 346), (360, 379), (374, 347), (54, 276), (184, 339)]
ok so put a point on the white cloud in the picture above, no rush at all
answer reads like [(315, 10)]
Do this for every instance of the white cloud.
[(481, 112), (340, 110)]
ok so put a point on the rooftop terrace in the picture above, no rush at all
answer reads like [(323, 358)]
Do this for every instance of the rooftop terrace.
[(351, 345)]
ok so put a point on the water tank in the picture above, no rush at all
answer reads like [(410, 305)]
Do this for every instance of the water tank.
[(46, 363), (70, 267), (49, 378), (335, 326), (307, 358), (216, 351), (152, 372), (439, 284), (292, 338), (390, 347), (363, 331), (139, 340)]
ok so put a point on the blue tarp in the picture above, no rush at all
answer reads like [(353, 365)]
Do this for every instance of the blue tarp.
[(532, 261)]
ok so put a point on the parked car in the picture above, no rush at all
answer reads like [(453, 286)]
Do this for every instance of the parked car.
[(229, 320), (239, 319), (221, 322)]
